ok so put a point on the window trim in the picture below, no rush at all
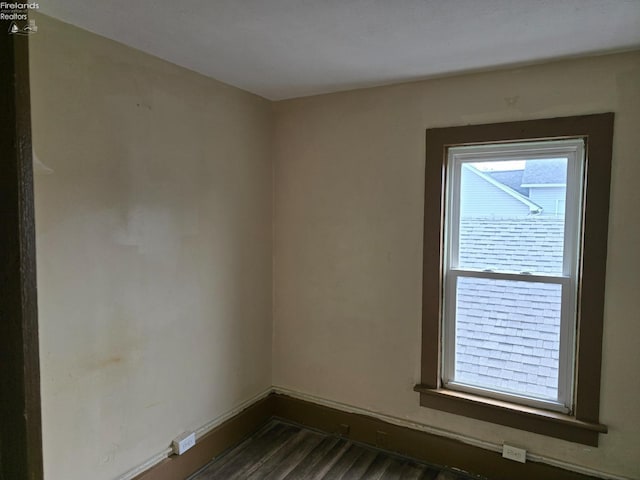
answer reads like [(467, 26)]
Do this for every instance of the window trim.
[(582, 426)]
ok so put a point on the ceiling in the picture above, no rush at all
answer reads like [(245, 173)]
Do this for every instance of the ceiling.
[(290, 48)]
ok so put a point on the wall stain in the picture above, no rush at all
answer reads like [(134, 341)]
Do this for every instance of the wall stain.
[(109, 362)]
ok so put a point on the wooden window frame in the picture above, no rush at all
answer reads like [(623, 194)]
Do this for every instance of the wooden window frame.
[(582, 425)]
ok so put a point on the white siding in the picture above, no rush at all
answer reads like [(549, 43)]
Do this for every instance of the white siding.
[(551, 199), (481, 198)]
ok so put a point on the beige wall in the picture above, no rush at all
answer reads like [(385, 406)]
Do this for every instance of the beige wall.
[(154, 250), (348, 231), (154, 246)]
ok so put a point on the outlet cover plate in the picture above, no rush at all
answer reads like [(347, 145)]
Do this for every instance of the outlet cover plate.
[(514, 453), (183, 443)]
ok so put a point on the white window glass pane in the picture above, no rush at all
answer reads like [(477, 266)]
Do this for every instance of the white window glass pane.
[(512, 215), (508, 336)]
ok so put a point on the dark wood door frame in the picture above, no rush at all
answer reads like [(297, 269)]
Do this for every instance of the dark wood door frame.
[(20, 417)]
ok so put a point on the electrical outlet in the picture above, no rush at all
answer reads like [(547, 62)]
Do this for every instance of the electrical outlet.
[(183, 443), (514, 453)]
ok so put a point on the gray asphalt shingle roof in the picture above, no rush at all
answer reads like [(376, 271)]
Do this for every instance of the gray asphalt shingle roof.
[(544, 172), (512, 179), (529, 244), (508, 331)]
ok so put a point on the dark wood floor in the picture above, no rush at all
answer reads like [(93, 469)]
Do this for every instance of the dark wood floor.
[(283, 451)]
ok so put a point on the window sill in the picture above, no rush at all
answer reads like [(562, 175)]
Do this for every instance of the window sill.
[(531, 419)]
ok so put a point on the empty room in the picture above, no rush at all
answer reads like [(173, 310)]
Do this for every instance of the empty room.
[(330, 239)]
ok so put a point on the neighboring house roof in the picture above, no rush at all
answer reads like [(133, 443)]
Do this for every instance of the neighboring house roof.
[(547, 172), (520, 244), (533, 207), (508, 331), (512, 179)]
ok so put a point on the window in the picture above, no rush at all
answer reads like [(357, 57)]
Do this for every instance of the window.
[(514, 270), (510, 272)]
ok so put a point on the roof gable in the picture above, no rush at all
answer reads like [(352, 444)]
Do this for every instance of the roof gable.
[(533, 207)]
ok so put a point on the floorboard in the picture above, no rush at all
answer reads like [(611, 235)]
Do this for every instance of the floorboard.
[(282, 451)]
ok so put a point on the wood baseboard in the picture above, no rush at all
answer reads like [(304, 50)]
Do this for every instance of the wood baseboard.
[(421, 445), (213, 443)]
